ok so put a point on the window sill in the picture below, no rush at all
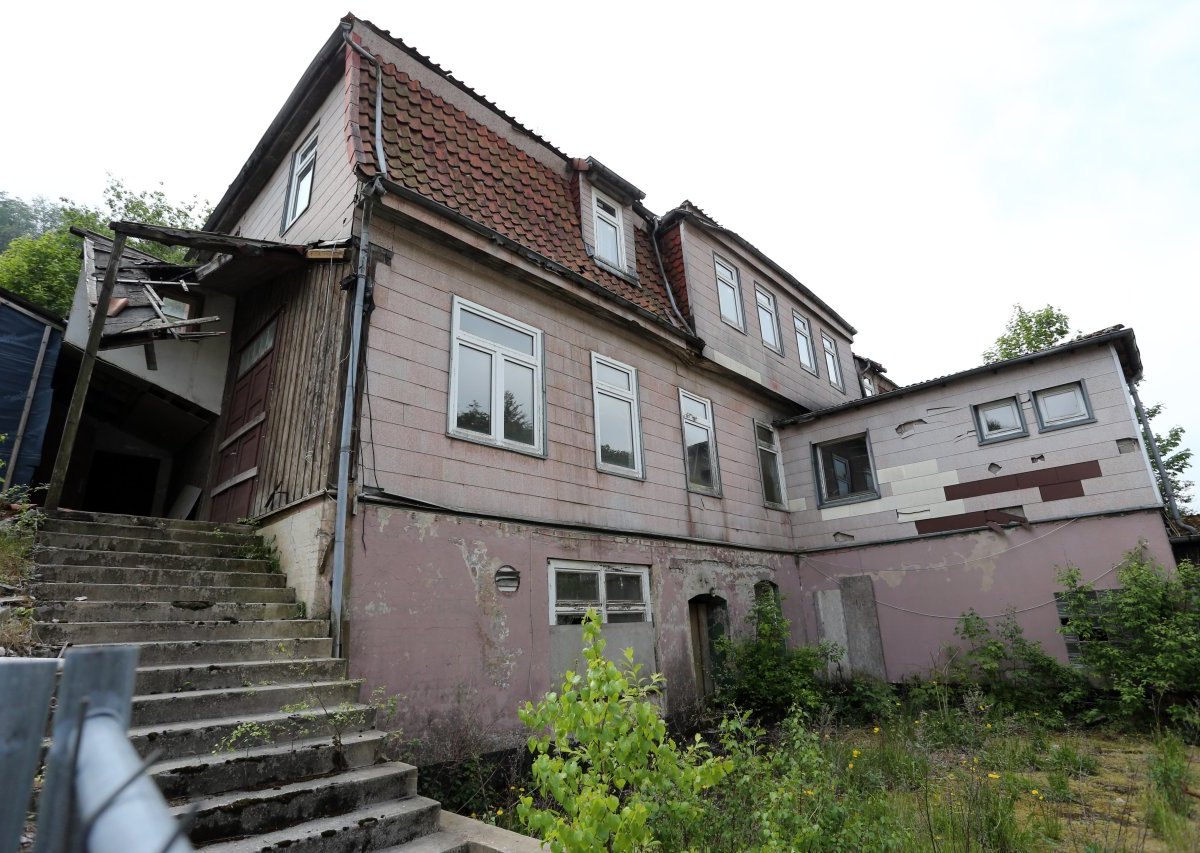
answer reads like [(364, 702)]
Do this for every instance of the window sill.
[(731, 324), (846, 501), (1067, 425), (473, 438), (1002, 438), (622, 472), (699, 490), (610, 267), (779, 507)]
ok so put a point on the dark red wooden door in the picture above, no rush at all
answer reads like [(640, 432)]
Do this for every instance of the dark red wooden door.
[(239, 451)]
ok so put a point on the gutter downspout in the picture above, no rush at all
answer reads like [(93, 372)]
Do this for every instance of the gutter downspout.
[(1165, 480), (663, 272), (338, 580), (380, 158)]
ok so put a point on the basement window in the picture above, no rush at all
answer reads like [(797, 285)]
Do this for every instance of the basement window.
[(618, 593), (999, 420), (845, 471)]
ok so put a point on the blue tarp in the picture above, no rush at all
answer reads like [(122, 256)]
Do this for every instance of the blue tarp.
[(20, 340)]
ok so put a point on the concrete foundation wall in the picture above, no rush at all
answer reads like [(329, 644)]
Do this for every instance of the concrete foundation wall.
[(426, 620), (921, 587), (303, 535)]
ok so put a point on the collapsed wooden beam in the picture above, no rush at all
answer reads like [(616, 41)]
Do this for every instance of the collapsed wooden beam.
[(205, 241)]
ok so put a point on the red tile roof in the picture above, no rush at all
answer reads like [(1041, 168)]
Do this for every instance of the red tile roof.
[(437, 150)]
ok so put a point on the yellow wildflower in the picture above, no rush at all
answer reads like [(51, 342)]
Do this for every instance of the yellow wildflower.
[(499, 812), (1034, 792), (993, 775), (989, 725), (854, 753), (875, 730), (808, 792), (850, 766)]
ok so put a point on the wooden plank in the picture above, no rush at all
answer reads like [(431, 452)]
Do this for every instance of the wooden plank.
[(83, 380), (203, 240), (26, 685), (327, 254)]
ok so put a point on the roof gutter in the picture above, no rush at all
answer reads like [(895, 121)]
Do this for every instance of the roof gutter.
[(1121, 335)]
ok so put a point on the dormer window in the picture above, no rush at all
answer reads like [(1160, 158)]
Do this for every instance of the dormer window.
[(299, 194), (606, 222)]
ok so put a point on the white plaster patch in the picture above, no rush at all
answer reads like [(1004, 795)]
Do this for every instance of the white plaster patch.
[(378, 607), (905, 472), (385, 516), (734, 365), (425, 524), (797, 505)]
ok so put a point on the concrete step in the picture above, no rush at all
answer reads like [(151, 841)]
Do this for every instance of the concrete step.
[(87, 542), (157, 577), (148, 521), (322, 696), (135, 531), (56, 633), (371, 828), (160, 592), (182, 652), (206, 737), (265, 766), (162, 611), (239, 813), (134, 560), (437, 842), (241, 673)]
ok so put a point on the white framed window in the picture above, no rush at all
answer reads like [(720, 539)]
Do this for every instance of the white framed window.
[(1062, 406), (496, 392), (770, 465), (300, 182), (768, 319), (804, 343), (618, 424), (999, 420), (868, 386), (833, 366), (699, 444), (606, 225), (845, 471), (729, 293), (619, 593)]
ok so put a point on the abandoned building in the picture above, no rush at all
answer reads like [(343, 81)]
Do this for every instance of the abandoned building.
[(473, 387)]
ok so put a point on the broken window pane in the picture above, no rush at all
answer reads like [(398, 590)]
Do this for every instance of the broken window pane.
[(699, 456), (772, 487), (623, 588)]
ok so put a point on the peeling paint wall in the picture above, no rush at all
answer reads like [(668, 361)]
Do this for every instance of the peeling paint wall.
[(929, 464), (302, 536), (922, 586), (427, 622)]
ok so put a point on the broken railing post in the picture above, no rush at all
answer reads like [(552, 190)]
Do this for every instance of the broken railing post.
[(75, 413), (26, 685), (97, 796)]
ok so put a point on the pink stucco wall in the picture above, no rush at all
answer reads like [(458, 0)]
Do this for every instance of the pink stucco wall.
[(427, 622), (923, 586)]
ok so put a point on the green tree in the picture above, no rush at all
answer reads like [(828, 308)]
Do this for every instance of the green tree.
[(42, 262), (1176, 460), (1029, 331)]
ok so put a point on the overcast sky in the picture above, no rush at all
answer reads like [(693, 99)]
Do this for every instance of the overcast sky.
[(922, 166)]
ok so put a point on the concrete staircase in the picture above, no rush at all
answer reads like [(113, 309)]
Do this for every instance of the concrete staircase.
[(257, 727)]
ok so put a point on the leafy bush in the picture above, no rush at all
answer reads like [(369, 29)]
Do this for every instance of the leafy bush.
[(1140, 639), (766, 677), (603, 764), (1012, 671)]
